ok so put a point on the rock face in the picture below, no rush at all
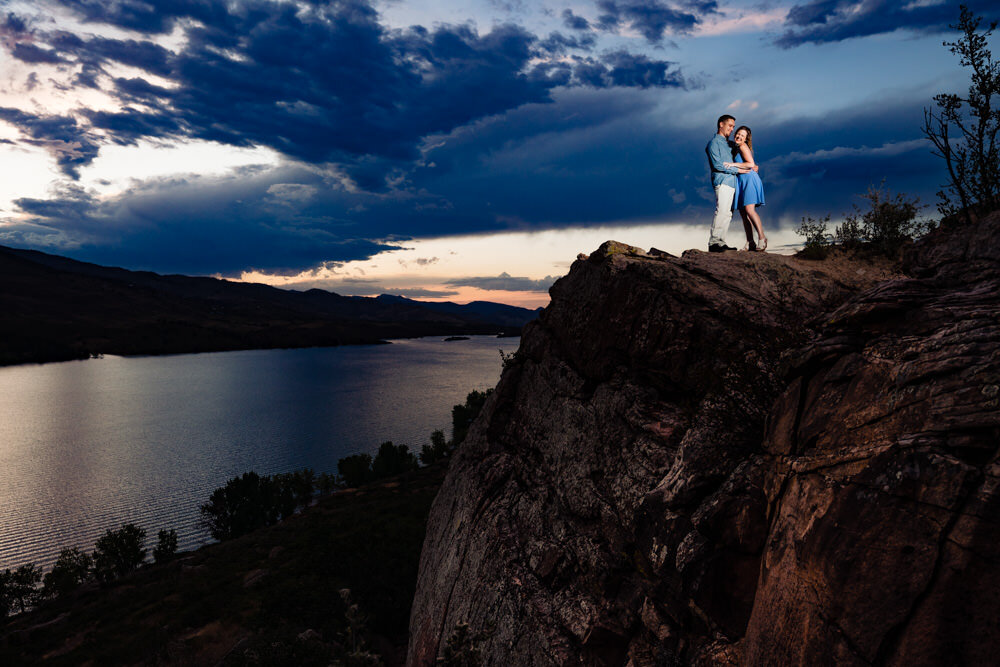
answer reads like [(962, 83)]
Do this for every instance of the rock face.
[(734, 459)]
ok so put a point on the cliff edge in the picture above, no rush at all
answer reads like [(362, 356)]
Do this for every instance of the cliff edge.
[(734, 459)]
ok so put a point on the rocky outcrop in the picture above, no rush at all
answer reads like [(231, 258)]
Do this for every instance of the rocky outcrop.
[(734, 459)]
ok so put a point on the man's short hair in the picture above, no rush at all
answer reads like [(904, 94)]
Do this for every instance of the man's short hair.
[(723, 118)]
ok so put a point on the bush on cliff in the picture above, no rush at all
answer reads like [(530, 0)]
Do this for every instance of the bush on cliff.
[(464, 414), (438, 450), (119, 552), (72, 568), (888, 222), (19, 587), (166, 546), (393, 459), (356, 469)]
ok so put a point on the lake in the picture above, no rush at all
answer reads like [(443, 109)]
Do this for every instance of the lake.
[(90, 445)]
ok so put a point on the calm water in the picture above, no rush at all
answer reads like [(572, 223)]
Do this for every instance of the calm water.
[(89, 445)]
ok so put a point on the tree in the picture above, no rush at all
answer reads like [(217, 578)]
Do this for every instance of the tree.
[(327, 483), (166, 546), (356, 469), (438, 450), (19, 587), (244, 504), (296, 489), (964, 130), (393, 459), (464, 414), (119, 552), (72, 568)]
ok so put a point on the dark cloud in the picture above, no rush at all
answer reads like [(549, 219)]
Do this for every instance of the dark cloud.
[(72, 145), (201, 225), (822, 21), (505, 282), (653, 19), (621, 68), (558, 43), (149, 16), (574, 22), (349, 91), (32, 54), (13, 25)]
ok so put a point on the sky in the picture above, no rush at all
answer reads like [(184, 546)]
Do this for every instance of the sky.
[(446, 150)]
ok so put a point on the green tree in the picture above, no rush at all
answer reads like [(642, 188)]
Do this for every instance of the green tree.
[(393, 459), (19, 587), (438, 450), (327, 483), (355, 470), (964, 130), (119, 552), (296, 489), (244, 504), (464, 414), (72, 568), (166, 546)]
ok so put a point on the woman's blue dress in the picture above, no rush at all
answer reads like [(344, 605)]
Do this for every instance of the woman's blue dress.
[(749, 188)]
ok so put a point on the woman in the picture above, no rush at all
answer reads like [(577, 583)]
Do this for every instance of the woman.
[(750, 189)]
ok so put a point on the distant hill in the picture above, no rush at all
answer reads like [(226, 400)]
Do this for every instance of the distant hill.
[(483, 310), (55, 308)]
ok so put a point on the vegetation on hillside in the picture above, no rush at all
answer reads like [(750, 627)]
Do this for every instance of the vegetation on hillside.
[(366, 560), (964, 133), (964, 130)]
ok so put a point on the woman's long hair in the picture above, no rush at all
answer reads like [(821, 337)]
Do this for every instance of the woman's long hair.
[(749, 136)]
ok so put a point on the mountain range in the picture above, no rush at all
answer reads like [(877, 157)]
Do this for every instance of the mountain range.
[(55, 308)]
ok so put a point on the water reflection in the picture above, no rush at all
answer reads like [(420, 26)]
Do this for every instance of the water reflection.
[(86, 446)]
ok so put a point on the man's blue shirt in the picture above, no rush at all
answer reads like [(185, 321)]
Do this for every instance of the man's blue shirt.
[(718, 151)]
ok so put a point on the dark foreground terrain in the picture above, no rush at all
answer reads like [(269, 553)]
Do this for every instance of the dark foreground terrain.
[(252, 600), (56, 309)]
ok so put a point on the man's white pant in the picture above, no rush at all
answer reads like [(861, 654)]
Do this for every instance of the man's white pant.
[(723, 214)]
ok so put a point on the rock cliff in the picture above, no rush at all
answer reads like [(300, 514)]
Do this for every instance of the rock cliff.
[(735, 459)]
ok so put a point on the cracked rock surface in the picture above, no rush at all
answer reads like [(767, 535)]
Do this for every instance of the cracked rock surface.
[(734, 459)]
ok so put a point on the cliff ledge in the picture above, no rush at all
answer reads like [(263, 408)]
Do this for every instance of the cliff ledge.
[(735, 459)]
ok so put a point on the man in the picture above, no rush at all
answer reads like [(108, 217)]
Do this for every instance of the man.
[(719, 151)]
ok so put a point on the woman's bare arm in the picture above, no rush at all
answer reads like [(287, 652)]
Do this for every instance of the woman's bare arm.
[(747, 156)]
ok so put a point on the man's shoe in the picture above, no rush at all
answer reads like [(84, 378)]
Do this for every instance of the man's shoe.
[(717, 247)]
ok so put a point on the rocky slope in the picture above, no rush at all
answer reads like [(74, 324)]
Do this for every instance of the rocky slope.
[(736, 459)]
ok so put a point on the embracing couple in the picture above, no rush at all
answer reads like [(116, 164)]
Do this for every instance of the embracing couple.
[(737, 185)]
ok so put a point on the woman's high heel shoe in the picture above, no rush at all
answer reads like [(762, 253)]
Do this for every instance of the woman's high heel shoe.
[(762, 245)]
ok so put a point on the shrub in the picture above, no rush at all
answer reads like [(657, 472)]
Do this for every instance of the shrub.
[(166, 546), (890, 220), (817, 238), (438, 450), (327, 483), (393, 459), (119, 552), (464, 414), (19, 587), (244, 504), (72, 568), (355, 470)]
